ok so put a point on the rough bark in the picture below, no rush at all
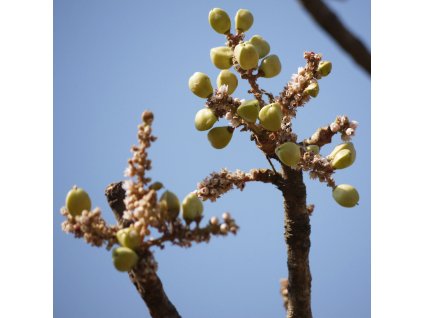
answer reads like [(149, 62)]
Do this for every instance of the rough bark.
[(148, 286)]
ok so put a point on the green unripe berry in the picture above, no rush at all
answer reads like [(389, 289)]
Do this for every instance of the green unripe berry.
[(204, 119), (199, 83), (271, 66), (343, 159), (312, 89), (346, 195), (219, 137), (346, 145), (246, 55), (243, 20), (261, 45), (124, 259), (324, 68), (249, 110), (172, 204), (313, 148), (226, 77), (289, 153), (271, 117), (221, 57), (219, 20), (192, 208), (77, 200), (129, 238)]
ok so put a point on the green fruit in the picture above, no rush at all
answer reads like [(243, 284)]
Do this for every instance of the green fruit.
[(271, 117), (172, 204), (219, 137), (219, 20), (204, 119), (192, 208), (343, 159), (249, 110), (199, 83), (124, 259), (246, 55), (346, 145), (243, 20), (312, 89), (325, 67), (228, 78), (77, 200), (346, 195), (261, 45), (129, 238), (313, 148), (156, 186), (221, 57), (289, 153), (271, 66)]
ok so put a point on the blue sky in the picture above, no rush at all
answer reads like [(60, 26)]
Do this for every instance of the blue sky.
[(112, 60)]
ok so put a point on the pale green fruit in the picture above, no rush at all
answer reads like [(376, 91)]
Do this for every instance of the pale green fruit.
[(204, 119), (221, 57), (289, 153), (271, 117), (219, 20), (243, 20), (129, 238), (226, 77), (346, 145), (219, 137), (249, 110), (246, 55), (124, 259), (325, 67), (199, 83), (343, 159), (192, 208), (261, 45), (172, 204), (77, 200), (346, 195), (271, 66), (313, 148), (312, 89)]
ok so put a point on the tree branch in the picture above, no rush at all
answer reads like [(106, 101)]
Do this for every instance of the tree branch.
[(328, 20), (147, 282)]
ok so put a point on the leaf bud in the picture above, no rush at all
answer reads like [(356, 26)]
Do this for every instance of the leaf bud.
[(226, 77), (192, 208), (204, 119), (219, 20), (271, 117), (77, 200), (271, 66), (249, 110), (343, 159), (289, 153), (124, 259), (261, 45), (346, 195), (324, 68), (221, 57), (312, 89), (199, 83), (172, 204), (129, 238), (313, 148), (243, 20), (219, 137), (246, 55)]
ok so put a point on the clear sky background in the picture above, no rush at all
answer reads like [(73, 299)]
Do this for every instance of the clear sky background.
[(112, 60)]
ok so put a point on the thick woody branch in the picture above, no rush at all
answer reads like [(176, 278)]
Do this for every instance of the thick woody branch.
[(336, 29), (147, 283)]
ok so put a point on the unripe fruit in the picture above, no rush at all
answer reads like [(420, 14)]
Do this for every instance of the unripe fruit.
[(246, 55), (226, 77), (271, 66), (324, 68), (192, 208), (199, 83), (312, 89), (289, 153), (249, 110), (124, 259), (156, 186), (219, 137), (346, 195), (219, 20), (172, 204), (346, 145), (243, 20), (77, 200), (261, 45), (204, 119), (271, 117), (343, 159), (313, 148), (129, 238), (221, 57)]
